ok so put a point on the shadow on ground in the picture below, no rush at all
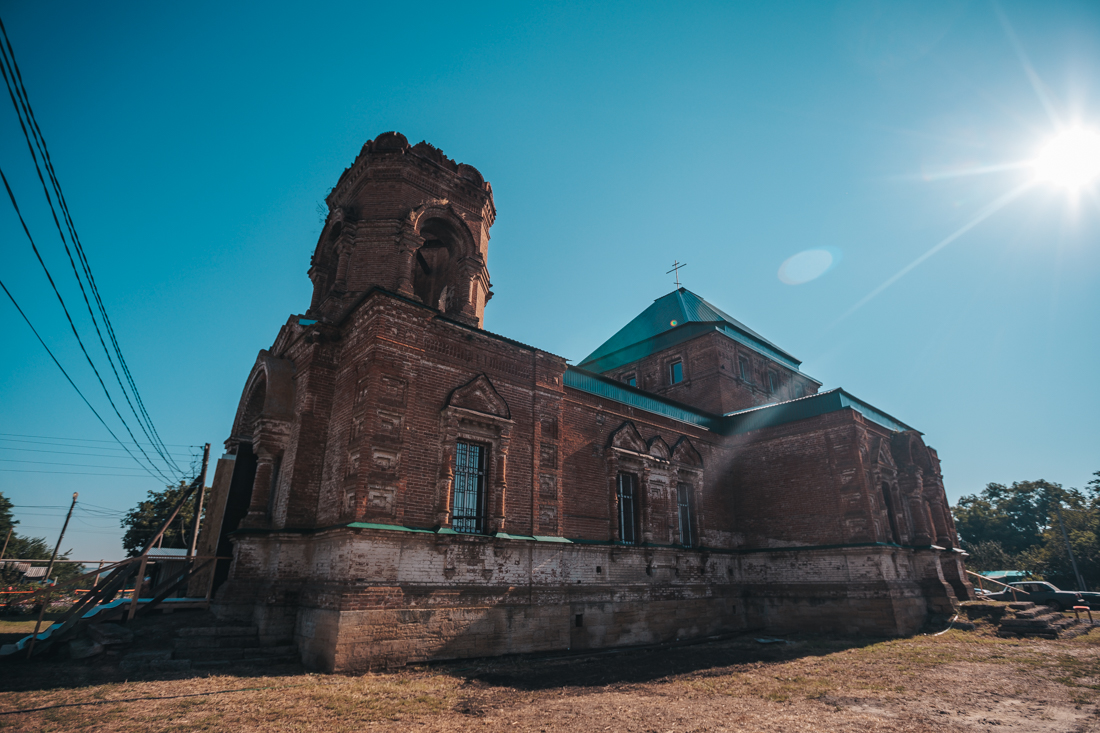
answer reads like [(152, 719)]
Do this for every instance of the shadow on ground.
[(637, 665), (530, 672)]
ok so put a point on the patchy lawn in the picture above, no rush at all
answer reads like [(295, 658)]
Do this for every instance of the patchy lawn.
[(959, 681), (14, 628)]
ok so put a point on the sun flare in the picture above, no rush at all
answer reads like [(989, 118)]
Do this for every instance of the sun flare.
[(1071, 159)]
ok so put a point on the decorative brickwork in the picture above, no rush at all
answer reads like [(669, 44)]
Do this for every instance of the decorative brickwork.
[(337, 492)]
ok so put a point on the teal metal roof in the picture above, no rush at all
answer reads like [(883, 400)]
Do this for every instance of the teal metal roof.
[(813, 405), (679, 316), (596, 384), (733, 423)]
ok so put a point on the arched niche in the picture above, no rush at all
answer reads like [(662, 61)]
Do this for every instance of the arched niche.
[(439, 267), (435, 266)]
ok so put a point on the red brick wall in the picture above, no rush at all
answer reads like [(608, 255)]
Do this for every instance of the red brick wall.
[(369, 445), (712, 380), (801, 483)]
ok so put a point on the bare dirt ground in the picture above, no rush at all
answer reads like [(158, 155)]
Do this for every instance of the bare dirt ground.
[(959, 681)]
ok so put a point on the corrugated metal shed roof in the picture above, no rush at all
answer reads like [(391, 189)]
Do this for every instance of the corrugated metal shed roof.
[(673, 318)]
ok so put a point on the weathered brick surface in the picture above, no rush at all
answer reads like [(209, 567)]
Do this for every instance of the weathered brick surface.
[(712, 379), (418, 596), (354, 413)]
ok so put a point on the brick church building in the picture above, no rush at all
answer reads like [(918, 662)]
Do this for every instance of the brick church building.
[(400, 484)]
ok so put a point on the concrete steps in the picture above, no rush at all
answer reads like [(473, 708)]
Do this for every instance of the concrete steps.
[(204, 646), (1025, 619)]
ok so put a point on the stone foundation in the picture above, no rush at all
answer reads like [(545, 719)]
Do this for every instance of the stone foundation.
[(356, 599)]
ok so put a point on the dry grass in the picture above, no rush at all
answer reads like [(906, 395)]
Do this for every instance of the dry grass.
[(957, 681)]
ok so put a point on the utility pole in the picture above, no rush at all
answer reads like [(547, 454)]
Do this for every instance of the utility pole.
[(6, 539), (1069, 549), (49, 568), (57, 547), (199, 499)]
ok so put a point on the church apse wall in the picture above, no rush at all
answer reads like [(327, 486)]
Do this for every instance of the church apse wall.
[(410, 486)]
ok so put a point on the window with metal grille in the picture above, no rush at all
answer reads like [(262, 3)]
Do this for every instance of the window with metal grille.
[(683, 503), (675, 372), (628, 492), (468, 499)]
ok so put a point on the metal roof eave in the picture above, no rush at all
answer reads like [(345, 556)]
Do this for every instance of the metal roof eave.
[(734, 423), (800, 408), (685, 332), (601, 386)]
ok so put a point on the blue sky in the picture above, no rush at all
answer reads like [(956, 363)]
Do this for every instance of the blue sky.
[(194, 142)]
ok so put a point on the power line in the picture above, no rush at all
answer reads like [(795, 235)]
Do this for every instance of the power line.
[(85, 440), (83, 465), (86, 506), (8, 57), (74, 473), (26, 231), (55, 361), (40, 141), (72, 453)]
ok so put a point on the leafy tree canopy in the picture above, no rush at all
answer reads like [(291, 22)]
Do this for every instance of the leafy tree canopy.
[(27, 548), (143, 521), (1016, 528)]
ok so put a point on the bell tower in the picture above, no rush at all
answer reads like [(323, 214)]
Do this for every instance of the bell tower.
[(412, 221)]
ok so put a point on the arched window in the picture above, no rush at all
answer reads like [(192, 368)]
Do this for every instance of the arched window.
[(894, 534), (683, 511), (627, 500)]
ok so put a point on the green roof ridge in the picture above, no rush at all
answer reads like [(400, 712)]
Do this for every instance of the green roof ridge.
[(671, 312)]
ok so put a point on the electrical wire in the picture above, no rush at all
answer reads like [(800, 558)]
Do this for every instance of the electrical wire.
[(81, 465), (74, 473), (48, 162), (20, 91), (72, 452), (72, 325), (55, 361), (7, 55), (7, 436)]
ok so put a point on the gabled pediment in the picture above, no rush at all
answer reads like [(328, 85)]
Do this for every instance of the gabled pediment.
[(627, 437), (881, 454), (658, 448), (684, 452), (479, 395)]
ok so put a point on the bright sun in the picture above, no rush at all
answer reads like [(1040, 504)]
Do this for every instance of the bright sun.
[(1072, 159)]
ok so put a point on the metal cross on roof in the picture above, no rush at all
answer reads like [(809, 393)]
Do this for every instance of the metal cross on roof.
[(676, 265)]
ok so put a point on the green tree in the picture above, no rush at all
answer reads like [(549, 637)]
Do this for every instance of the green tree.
[(28, 548), (1016, 527), (143, 521)]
